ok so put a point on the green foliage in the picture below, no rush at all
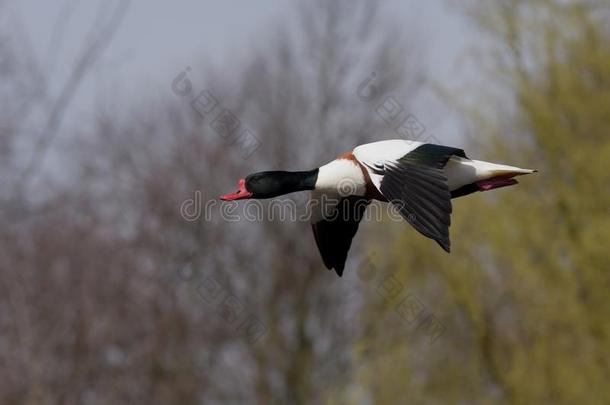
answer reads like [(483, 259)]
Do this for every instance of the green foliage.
[(524, 293)]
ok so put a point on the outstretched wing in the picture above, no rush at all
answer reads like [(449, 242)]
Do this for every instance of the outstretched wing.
[(334, 226), (417, 185)]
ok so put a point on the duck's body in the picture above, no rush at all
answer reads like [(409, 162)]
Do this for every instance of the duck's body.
[(418, 178), (364, 166)]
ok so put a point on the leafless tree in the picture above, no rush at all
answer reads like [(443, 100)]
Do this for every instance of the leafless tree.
[(104, 300)]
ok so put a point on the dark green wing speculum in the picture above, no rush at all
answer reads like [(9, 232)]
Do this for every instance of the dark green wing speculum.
[(416, 184)]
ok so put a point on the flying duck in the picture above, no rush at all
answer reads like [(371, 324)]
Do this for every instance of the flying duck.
[(419, 179)]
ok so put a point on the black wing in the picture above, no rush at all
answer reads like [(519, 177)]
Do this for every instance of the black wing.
[(417, 185), (334, 232)]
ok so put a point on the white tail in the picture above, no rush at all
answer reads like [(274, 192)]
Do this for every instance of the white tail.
[(486, 170), (461, 172)]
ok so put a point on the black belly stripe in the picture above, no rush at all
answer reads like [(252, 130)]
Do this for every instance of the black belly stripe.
[(465, 190)]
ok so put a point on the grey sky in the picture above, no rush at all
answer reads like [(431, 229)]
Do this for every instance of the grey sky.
[(159, 38)]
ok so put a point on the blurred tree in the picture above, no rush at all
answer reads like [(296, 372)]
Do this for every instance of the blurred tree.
[(101, 300), (524, 293)]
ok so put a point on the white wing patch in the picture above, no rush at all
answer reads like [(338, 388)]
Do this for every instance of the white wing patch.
[(378, 154)]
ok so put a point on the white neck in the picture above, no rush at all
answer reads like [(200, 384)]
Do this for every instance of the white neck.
[(341, 176)]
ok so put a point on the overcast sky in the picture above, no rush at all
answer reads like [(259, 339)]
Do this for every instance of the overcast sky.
[(159, 38)]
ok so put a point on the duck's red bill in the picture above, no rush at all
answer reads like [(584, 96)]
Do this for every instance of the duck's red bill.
[(239, 194)]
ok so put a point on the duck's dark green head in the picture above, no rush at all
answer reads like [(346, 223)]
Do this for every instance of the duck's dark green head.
[(273, 184)]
